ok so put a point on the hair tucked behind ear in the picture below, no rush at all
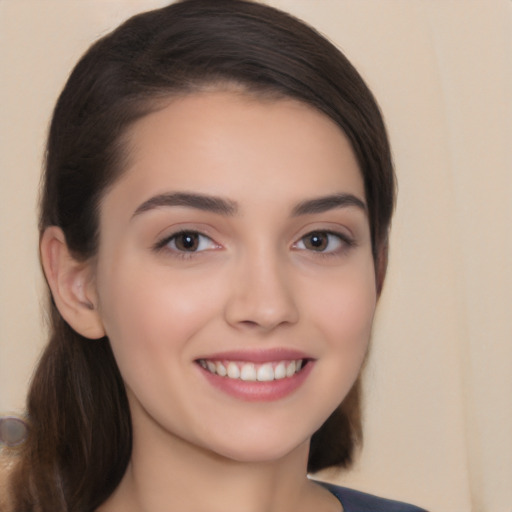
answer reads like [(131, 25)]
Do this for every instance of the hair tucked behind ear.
[(80, 433)]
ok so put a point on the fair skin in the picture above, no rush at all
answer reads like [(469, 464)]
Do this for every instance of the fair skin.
[(237, 238)]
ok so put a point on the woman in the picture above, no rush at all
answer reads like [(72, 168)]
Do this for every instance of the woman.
[(214, 220)]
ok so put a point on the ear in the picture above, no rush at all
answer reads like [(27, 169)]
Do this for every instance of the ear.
[(72, 284)]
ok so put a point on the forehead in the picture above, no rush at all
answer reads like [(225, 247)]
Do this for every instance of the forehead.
[(232, 143)]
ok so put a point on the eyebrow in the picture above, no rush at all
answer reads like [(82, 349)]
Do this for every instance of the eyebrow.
[(326, 203), (191, 200), (230, 208)]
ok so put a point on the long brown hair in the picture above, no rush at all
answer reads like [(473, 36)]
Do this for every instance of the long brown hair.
[(79, 441)]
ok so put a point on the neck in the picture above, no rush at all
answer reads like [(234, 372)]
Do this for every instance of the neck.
[(168, 474)]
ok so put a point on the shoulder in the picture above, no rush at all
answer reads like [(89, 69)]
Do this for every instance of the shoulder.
[(356, 501)]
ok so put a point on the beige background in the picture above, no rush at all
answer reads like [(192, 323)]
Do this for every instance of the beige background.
[(439, 383)]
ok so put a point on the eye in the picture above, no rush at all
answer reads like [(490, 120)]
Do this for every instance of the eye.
[(187, 241), (323, 241)]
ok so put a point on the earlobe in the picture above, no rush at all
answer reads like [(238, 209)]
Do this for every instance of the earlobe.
[(71, 283)]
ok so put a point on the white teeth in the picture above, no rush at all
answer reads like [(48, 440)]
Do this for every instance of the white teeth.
[(290, 369), (248, 372), (280, 371), (265, 373), (233, 371), (221, 369)]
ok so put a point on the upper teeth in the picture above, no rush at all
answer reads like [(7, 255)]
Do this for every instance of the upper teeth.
[(251, 371)]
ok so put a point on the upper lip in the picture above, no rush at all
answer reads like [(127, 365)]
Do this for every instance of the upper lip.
[(257, 356)]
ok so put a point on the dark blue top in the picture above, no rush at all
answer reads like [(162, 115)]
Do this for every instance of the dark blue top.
[(355, 501)]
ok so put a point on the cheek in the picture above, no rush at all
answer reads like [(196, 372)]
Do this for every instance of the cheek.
[(148, 314), (345, 314), (341, 316)]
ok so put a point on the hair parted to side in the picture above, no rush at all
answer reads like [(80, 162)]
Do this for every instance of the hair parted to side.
[(80, 432)]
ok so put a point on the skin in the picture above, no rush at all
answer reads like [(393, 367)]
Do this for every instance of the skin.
[(257, 282)]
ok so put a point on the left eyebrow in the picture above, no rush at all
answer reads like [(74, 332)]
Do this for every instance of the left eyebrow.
[(326, 203)]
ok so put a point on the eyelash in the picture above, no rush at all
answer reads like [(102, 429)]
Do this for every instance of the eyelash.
[(180, 253), (344, 243)]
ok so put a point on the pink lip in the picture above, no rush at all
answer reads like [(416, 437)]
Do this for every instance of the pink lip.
[(254, 391), (257, 356)]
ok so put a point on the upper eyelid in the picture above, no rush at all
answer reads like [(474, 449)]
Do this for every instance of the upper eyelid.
[(185, 227), (347, 239), (334, 228), (343, 236), (165, 240)]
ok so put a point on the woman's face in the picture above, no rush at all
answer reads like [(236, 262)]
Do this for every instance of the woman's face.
[(237, 242)]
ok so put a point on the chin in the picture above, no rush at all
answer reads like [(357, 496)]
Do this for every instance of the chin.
[(262, 449)]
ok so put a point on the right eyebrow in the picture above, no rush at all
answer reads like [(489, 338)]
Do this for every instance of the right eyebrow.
[(326, 203), (203, 202)]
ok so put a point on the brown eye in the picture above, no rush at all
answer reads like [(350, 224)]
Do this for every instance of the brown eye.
[(326, 242), (186, 241), (317, 241)]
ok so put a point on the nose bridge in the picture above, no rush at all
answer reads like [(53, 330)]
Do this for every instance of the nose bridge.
[(262, 292)]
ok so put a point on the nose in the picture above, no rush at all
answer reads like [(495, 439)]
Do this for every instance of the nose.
[(261, 297)]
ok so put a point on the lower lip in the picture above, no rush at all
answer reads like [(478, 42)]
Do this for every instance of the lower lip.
[(255, 391)]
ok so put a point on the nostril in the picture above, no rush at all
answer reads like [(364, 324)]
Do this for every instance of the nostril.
[(249, 323)]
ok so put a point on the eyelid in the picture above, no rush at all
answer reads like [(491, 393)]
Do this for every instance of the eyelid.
[(163, 243), (345, 241)]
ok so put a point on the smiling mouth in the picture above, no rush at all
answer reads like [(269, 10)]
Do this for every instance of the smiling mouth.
[(254, 372)]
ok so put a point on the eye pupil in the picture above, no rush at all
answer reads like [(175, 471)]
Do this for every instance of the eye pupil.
[(187, 241)]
